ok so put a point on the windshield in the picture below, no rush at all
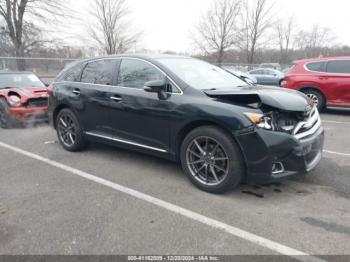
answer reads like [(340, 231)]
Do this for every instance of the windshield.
[(19, 81), (201, 75)]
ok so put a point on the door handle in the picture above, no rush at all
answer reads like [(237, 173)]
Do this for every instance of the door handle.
[(116, 98), (76, 91), (323, 78)]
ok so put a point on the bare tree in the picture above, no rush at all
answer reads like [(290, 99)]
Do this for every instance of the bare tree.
[(313, 41), (285, 36), (256, 20), (6, 47), (217, 31), (110, 29), (18, 15)]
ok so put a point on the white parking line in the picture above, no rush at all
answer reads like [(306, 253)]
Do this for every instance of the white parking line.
[(335, 122), (336, 153), (258, 240)]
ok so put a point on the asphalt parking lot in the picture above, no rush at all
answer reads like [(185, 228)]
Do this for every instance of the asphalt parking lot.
[(82, 203)]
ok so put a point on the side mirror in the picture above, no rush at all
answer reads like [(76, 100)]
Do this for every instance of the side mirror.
[(156, 86)]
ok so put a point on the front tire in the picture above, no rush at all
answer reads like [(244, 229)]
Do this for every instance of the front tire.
[(5, 117), (316, 97), (212, 160), (69, 131)]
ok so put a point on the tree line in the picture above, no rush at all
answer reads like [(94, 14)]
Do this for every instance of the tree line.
[(250, 31), (244, 31)]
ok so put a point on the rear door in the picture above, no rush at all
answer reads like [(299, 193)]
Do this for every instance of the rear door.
[(92, 93), (337, 81)]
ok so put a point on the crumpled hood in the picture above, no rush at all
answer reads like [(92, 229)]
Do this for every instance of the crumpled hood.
[(29, 92), (284, 99)]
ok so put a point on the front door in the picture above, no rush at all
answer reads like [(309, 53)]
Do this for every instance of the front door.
[(138, 116)]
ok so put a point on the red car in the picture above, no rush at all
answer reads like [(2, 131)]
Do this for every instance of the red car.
[(23, 98), (326, 81)]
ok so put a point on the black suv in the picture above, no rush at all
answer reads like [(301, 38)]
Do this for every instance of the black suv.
[(222, 130)]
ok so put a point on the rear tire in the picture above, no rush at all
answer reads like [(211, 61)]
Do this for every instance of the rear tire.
[(5, 117), (69, 131), (212, 160), (316, 97)]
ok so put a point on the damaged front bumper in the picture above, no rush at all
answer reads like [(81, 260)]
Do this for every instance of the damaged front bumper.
[(272, 155), (25, 114)]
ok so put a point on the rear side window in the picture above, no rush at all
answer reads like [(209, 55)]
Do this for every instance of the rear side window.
[(341, 67), (135, 73), (316, 66), (99, 72)]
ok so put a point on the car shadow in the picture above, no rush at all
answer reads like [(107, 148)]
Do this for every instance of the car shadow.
[(138, 158), (340, 111), (329, 175), (29, 125)]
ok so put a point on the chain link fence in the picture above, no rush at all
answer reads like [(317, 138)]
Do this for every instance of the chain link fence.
[(45, 68), (248, 67), (48, 68)]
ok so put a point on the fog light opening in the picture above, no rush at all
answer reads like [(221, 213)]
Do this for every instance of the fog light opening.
[(277, 168)]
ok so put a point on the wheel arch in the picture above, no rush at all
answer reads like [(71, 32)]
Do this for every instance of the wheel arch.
[(199, 123), (313, 87), (281, 81), (57, 110)]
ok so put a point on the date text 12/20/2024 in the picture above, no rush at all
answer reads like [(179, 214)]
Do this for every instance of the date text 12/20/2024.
[(173, 258)]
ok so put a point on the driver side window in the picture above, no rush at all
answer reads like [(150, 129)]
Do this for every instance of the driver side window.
[(135, 73)]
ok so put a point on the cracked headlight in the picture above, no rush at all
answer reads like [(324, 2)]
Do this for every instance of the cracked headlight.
[(14, 101), (260, 120)]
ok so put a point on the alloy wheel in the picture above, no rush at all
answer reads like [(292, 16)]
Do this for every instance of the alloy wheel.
[(313, 98), (67, 130), (207, 160)]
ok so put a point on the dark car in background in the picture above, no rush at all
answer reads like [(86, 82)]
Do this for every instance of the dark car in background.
[(23, 99), (326, 81), (268, 76), (222, 130)]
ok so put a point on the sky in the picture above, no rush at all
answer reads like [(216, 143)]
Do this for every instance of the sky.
[(167, 24)]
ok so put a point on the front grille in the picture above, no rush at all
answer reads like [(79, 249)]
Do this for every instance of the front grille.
[(309, 126), (37, 102)]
